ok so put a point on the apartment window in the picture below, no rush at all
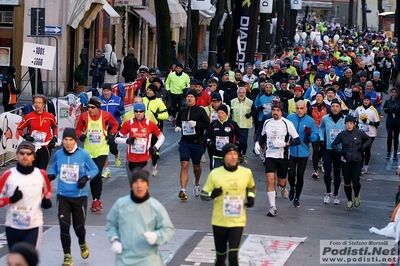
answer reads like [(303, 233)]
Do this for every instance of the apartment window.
[(6, 17)]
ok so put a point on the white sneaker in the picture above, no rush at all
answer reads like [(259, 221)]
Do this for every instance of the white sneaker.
[(262, 155), (284, 192), (272, 211), (203, 158), (364, 170), (170, 118), (336, 200), (155, 171), (196, 190), (327, 198)]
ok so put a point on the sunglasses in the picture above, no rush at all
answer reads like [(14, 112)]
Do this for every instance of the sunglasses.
[(153, 74), (25, 153), (138, 111), (92, 107), (142, 72)]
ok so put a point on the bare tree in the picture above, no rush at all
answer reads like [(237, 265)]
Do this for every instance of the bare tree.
[(163, 19)]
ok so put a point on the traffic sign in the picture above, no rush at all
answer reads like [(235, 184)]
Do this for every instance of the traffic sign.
[(52, 30), (38, 56)]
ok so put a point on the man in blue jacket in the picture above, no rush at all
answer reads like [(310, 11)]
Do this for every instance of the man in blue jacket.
[(73, 167), (115, 106), (308, 132)]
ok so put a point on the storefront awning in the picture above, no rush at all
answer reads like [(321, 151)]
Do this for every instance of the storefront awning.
[(178, 14), (114, 16), (83, 12), (146, 15)]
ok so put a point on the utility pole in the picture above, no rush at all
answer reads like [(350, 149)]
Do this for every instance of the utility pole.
[(188, 31)]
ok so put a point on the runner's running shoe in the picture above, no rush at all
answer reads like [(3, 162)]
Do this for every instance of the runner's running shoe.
[(327, 197), (93, 208), (67, 260), (244, 159), (272, 211), (182, 195), (155, 171), (349, 206), (284, 192), (196, 190), (99, 206), (106, 173), (336, 200), (84, 251), (357, 201), (315, 175), (117, 161), (296, 203), (291, 194)]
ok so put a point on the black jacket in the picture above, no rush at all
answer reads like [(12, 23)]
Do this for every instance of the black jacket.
[(195, 113), (392, 109), (351, 142)]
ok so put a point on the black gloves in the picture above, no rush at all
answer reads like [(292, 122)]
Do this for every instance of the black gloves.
[(16, 196), (216, 192), (250, 202), (361, 149), (110, 139), (260, 108), (46, 203), (82, 181), (130, 141), (152, 150), (248, 115), (51, 177), (210, 144), (28, 137), (53, 142), (321, 143), (365, 120), (82, 137), (117, 113)]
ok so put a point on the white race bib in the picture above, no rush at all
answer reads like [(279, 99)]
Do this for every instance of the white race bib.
[(233, 206), (139, 147), (40, 137), (187, 129), (220, 142), (333, 134), (69, 173), (94, 136), (21, 215)]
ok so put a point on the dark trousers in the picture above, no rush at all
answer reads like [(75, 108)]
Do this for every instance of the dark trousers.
[(317, 154), (386, 79), (42, 157), (232, 236), (8, 107), (299, 164), (392, 130), (351, 175), (97, 82), (176, 100), (332, 157), (31, 236), (77, 208), (367, 152), (243, 145), (96, 183)]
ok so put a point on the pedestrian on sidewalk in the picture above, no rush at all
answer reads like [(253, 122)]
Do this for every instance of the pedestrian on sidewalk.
[(72, 167), (93, 130), (353, 143), (232, 189), (25, 190), (131, 66), (10, 90), (138, 224)]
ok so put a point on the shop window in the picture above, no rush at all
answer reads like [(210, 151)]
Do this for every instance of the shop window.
[(6, 17)]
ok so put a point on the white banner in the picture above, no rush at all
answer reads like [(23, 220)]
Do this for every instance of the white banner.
[(9, 137), (38, 56), (67, 116), (266, 6), (295, 4), (201, 5)]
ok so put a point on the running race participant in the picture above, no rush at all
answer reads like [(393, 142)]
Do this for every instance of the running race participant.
[(192, 121), (25, 190), (232, 188), (276, 134), (73, 167), (92, 130), (139, 131), (41, 129), (331, 125), (353, 143), (308, 132)]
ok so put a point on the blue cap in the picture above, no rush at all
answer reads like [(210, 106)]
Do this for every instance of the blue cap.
[(283, 65), (139, 107), (377, 73), (257, 63)]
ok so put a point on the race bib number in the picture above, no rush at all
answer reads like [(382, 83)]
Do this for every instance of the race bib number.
[(267, 108), (333, 134), (69, 173), (348, 92), (213, 116), (364, 127), (94, 136), (40, 137), (21, 215), (233, 206), (139, 147), (220, 142), (187, 129)]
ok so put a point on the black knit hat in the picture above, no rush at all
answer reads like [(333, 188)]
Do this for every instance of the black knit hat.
[(223, 107), (95, 101), (350, 118), (27, 251), (152, 87), (26, 145), (194, 93), (139, 173), (229, 147), (70, 132)]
